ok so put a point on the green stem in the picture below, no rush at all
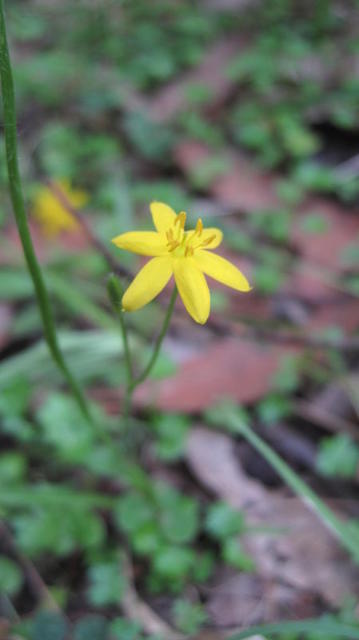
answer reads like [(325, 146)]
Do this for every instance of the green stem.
[(156, 350), (328, 517), (17, 199), (158, 343), (115, 294)]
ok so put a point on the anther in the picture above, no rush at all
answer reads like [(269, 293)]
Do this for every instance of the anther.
[(205, 243), (181, 219), (199, 227)]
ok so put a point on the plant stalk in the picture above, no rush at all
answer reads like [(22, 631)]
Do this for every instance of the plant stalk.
[(17, 199), (338, 527)]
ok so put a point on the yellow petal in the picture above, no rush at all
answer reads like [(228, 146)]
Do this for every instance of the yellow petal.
[(148, 283), (222, 270), (210, 238), (146, 243), (163, 216), (193, 288)]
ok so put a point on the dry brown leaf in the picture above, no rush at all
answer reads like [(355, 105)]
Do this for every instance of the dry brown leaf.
[(304, 555)]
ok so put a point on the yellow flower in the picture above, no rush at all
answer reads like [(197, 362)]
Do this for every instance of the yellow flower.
[(51, 213), (185, 254)]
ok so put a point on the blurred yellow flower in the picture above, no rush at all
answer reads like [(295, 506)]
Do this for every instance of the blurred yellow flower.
[(51, 213), (185, 254)]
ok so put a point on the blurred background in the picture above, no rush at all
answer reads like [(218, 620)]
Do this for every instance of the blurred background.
[(245, 113)]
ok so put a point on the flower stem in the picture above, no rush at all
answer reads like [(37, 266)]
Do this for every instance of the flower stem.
[(158, 343), (115, 294), (17, 199)]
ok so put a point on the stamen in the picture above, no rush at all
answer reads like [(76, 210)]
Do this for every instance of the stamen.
[(181, 219), (205, 243), (199, 227)]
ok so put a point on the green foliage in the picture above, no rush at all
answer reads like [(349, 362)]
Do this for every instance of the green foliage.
[(152, 141), (65, 427), (203, 173), (107, 581), (10, 576), (79, 85), (314, 223), (234, 555), (122, 629), (287, 377), (160, 525), (273, 223), (40, 530), (189, 617), (338, 456), (171, 433), (49, 625), (92, 627), (274, 407), (222, 521), (68, 152)]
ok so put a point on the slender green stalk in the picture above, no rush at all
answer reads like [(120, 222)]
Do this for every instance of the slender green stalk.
[(156, 350), (338, 527), (115, 294), (158, 343), (10, 132)]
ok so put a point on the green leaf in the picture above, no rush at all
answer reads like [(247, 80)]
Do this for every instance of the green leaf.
[(314, 223), (189, 617), (173, 563), (338, 456), (91, 627), (122, 629), (273, 408), (132, 511), (12, 468), (287, 378), (203, 567), (10, 576), (268, 278), (49, 625), (107, 582), (233, 554), (147, 539), (222, 521), (65, 427), (172, 507), (179, 519), (171, 431), (15, 396)]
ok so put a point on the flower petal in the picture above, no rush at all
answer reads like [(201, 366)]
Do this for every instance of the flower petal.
[(211, 235), (221, 269), (146, 243), (148, 283), (163, 216), (193, 288)]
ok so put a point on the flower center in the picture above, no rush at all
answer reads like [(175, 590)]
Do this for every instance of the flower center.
[(182, 244)]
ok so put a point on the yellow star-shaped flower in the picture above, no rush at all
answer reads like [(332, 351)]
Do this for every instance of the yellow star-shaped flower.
[(51, 213), (185, 254)]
